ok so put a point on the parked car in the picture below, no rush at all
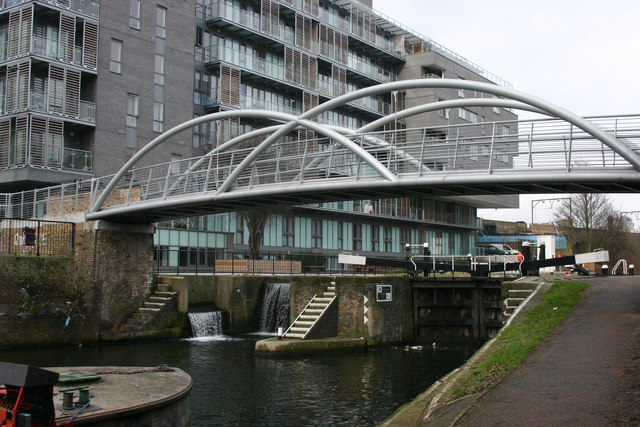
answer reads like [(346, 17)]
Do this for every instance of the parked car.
[(496, 249)]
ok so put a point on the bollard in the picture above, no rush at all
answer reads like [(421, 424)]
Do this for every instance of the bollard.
[(631, 269), (83, 396), (67, 399), (605, 269), (24, 420)]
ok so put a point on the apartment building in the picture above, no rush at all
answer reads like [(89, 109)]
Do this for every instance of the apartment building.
[(84, 84)]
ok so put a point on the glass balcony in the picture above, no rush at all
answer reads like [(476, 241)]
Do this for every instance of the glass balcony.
[(373, 71), (273, 69), (39, 102), (85, 7), (80, 160), (224, 10)]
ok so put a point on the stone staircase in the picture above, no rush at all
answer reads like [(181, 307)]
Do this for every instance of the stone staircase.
[(154, 310), (516, 294), (311, 315)]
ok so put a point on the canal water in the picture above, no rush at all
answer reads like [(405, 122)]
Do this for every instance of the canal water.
[(233, 386)]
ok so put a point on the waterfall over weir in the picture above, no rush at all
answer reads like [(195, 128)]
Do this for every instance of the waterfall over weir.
[(275, 307), (206, 324)]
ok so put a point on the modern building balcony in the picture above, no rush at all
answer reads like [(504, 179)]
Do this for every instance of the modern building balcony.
[(214, 99), (89, 8), (39, 101), (49, 48), (379, 74)]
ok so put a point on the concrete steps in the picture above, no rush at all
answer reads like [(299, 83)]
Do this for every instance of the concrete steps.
[(153, 310), (516, 295), (311, 314)]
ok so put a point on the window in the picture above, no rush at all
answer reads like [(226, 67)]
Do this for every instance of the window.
[(133, 103), (496, 109), (461, 93), (316, 233), (340, 236), (405, 236), (175, 163), (357, 237), (134, 14), (161, 22), (437, 247), (239, 238), (158, 116), (467, 115), (288, 231), (388, 247), (375, 238), (115, 66)]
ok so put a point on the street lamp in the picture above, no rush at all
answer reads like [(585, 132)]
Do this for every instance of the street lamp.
[(535, 203)]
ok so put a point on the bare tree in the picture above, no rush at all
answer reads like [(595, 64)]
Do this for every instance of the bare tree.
[(590, 221), (256, 219)]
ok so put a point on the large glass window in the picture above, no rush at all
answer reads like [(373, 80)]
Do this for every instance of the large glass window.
[(388, 246), (288, 231), (316, 233), (375, 238), (357, 237), (115, 65), (161, 22), (134, 14), (133, 103)]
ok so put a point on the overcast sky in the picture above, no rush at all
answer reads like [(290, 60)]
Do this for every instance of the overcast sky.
[(583, 55)]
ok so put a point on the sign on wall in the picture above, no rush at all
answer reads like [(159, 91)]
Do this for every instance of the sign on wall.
[(383, 293)]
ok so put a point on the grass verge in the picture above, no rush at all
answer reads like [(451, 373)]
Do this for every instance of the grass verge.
[(522, 336)]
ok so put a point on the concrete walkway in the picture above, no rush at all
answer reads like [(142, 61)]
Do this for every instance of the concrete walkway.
[(586, 373)]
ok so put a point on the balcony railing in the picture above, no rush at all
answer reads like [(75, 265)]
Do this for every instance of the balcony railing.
[(74, 159), (85, 7), (39, 101)]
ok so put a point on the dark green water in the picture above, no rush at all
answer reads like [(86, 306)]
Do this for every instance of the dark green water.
[(232, 386)]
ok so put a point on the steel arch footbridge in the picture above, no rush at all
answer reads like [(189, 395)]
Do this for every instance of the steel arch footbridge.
[(563, 153)]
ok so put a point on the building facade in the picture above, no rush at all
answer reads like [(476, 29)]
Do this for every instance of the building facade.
[(84, 84)]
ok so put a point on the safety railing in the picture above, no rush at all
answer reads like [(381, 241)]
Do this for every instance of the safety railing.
[(515, 148), (220, 261), (36, 237)]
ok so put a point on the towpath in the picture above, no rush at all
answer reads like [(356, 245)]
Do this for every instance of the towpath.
[(586, 372)]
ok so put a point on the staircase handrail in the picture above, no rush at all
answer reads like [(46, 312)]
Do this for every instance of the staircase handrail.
[(319, 317), (625, 268), (300, 314)]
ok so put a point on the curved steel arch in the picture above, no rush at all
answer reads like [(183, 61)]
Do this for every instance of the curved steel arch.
[(527, 102), (326, 131), (432, 106)]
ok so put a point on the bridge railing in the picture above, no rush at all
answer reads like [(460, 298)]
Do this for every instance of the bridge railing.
[(516, 147), (220, 261)]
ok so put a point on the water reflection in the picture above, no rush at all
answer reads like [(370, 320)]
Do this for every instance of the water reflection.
[(234, 387)]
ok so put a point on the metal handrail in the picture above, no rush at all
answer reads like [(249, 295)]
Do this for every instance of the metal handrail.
[(625, 267), (433, 259), (319, 316), (491, 258), (300, 314)]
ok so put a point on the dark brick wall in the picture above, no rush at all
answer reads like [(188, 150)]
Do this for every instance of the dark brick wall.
[(123, 273), (46, 331), (137, 77)]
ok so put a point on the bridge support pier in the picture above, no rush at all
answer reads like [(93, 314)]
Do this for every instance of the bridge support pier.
[(120, 260)]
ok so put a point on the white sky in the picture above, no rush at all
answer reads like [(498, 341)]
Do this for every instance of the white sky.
[(583, 55)]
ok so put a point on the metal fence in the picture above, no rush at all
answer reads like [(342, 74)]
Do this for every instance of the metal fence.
[(36, 237), (217, 261)]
